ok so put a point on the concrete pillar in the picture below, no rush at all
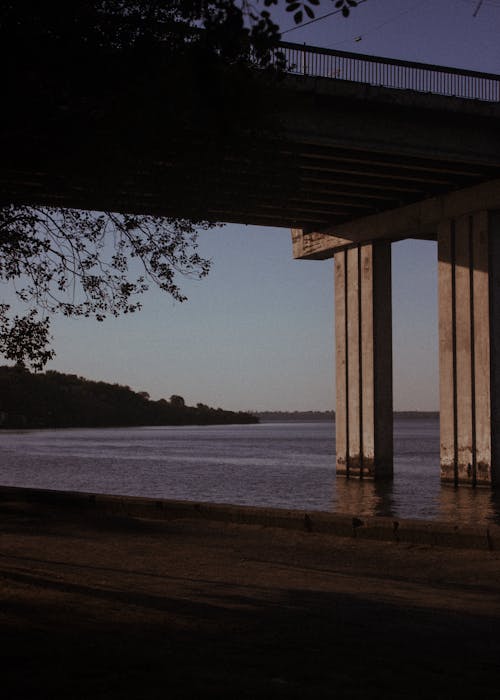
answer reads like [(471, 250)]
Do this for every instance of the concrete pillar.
[(469, 348), (363, 340)]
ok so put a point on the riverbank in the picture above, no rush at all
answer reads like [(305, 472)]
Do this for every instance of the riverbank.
[(102, 604)]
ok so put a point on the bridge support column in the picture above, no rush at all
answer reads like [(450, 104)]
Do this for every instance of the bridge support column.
[(469, 348), (363, 338)]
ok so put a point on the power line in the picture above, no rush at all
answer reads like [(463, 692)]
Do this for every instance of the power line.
[(388, 21), (475, 13), (369, 31), (490, 3)]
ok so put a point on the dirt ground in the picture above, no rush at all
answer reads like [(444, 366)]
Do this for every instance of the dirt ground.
[(120, 608)]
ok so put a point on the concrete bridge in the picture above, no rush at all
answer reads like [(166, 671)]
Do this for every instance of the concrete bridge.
[(369, 151), (427, 142)]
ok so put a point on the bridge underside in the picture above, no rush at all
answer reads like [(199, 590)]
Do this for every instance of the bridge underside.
[(339, 151)]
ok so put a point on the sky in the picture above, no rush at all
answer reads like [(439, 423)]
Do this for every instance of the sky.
[(257, 333)]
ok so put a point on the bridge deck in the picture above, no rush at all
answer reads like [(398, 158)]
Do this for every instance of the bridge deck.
[(344, 150)]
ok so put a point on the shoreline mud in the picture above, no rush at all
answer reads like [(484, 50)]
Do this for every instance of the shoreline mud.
[(415, 531), (99, 598)]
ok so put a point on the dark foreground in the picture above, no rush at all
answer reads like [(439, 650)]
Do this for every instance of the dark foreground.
[(109, 607)]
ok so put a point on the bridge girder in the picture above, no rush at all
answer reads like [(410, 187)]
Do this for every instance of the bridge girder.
[(344, 151)]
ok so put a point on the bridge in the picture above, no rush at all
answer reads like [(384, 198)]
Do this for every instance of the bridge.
[(369, 151), (423, 128)]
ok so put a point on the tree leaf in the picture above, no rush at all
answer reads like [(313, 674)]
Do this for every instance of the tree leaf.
[(293, 6), (298, 17), (309, 12)]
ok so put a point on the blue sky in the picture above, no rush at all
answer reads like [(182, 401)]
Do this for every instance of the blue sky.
[(258, 332)]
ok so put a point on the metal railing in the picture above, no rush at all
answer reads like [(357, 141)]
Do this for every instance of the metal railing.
[(390, 73)]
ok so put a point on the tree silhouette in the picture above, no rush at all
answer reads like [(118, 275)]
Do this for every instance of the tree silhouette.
[(56, 400), (63, 262)]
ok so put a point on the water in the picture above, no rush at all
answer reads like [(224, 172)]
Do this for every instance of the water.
[(287, 465)]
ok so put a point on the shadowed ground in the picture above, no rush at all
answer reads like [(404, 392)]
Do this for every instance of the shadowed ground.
[(102, 607)]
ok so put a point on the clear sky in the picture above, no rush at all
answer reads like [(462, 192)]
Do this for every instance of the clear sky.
[(258, 332)]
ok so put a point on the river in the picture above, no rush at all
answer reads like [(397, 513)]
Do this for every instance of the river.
[(286, 465)]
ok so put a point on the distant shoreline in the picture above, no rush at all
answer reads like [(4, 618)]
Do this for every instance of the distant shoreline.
[(326, 416), (56, 400)]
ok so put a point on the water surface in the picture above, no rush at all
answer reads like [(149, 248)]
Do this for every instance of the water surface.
[(286, 465)]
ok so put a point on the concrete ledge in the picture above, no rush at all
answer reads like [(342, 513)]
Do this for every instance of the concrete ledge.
[(442, 534)]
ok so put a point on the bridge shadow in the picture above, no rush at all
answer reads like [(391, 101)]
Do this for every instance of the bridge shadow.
[(282, 643)]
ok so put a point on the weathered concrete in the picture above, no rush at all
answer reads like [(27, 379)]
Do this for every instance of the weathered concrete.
[(469, 347), (363, 331), (468, 230), (418, 220)]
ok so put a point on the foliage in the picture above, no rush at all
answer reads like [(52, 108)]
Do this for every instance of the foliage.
[(301, 8), (79, 263), (25, 339), (56, 400)]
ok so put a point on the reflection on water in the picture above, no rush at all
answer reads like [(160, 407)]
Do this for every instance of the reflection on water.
[(472, 505), (364, 497), (389, 499), (284, 465)]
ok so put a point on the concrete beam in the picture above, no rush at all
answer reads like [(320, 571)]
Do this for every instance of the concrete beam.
[(307, 246), (363, 337), (419, 220), (469, 348), (392, 98), (406, 122)]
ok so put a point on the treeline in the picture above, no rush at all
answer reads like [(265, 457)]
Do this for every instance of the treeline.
[(315, 416), (412, 415), (298, 416), (56, 400)]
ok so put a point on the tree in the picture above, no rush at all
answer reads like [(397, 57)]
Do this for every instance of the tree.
[(63, 60), (177, 401), (66, 264)]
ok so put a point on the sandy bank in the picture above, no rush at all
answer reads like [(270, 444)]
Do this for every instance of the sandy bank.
[(412, 531), (102, 605)]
